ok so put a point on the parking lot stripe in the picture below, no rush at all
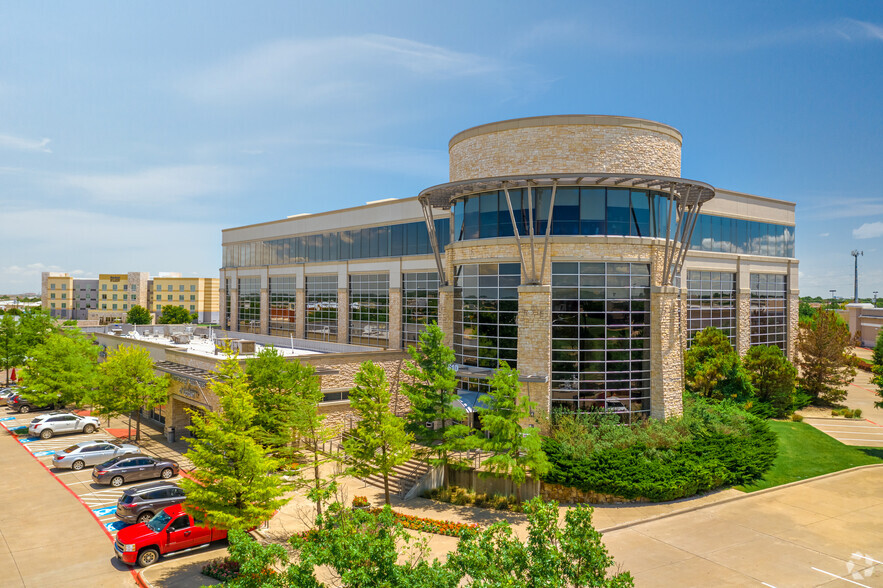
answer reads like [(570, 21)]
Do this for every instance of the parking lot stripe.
[(841, 578)]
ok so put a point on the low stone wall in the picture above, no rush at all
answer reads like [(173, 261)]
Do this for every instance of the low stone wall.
[(471, 479), (565, 494)]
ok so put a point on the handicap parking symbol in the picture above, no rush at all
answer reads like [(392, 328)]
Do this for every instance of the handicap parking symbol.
[(43, 453), (100, 512), (29, 439), (7, 419), (114, 526)]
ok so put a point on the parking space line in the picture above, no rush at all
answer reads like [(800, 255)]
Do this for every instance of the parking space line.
[(841, 578)]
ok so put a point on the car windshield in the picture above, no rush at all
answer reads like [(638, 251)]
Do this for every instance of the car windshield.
[(158, 522)]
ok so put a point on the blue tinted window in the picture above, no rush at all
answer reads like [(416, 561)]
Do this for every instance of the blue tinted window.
[(617, 211), (565, 219), (488, 215), (592, 211), (640, 214)]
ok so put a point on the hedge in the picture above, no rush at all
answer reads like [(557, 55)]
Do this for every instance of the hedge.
[(699, 464)]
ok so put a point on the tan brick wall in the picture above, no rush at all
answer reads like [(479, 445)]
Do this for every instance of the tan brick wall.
[(793, 322), (743, 320), (615, 147), (265, 311), (395, 318), (300, 314), (535, 341), (446, 312), (666, 357), (343, 315)]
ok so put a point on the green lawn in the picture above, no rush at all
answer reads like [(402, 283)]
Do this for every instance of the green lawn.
[(806, 452)]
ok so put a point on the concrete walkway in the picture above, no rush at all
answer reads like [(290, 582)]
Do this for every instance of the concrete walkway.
[(47, 537)]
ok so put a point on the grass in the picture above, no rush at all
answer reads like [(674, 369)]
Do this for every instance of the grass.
[(806, 452)]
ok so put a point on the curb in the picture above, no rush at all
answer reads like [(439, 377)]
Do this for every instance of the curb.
[(137, 576), (745, 495)]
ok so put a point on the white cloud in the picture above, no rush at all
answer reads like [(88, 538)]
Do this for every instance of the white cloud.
[(846, 208), (868, 231), (824, 234), (155, 185), (332, 69), (22, 144), (853, 29)]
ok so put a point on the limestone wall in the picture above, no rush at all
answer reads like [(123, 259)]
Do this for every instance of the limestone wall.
[(573, 143)]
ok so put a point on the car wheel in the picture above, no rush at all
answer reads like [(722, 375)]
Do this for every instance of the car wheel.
[(145, 516), (24, 409), (88, 429), (78, 465), (148, 557), (167, 473), (116, 481), (46, 434)]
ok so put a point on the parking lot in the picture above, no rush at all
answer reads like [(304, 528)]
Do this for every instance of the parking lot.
[(858, 432), (101, 500)]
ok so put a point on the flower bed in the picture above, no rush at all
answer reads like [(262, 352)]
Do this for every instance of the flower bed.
[(430, 525), (223, 569), (360, 502)]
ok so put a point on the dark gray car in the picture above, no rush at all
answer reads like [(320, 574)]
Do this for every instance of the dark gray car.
[(132, 468), (140, 503)]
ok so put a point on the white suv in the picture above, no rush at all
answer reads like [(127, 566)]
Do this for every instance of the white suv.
[(58, 423)]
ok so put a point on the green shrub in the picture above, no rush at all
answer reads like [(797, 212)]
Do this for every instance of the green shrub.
[(857, 413), (466, 497), (797, 418), (717, 444)]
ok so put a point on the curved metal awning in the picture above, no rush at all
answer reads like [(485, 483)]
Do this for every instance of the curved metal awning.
[(682, 190)]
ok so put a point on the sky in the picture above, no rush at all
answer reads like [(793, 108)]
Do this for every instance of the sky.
[(132, 133)]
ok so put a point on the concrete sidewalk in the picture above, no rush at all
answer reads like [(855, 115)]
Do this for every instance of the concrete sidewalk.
[(47, 537)]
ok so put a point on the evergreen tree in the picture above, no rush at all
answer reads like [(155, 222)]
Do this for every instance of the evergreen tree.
[(773, 377), (274, 384), (877, 354), (432, 390), (127, 383), (877, 368), (138, 315), (62, 370), (379, 442), (712, 368), (516, 450), (824, 359), (235, 485)]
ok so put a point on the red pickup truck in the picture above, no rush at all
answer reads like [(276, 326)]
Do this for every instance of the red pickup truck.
[(170, 530)]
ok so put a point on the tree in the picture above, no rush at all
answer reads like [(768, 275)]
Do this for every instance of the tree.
[(712, 367), (364, 550), (877, 354), (176, 315), (21, 331), (552, 557), (516, 449), (432, 390), (806, 312), (773, 377), (138, 315), (823, 357), (235, 485), (60, 371), (127, 383), (259, 565), (379, 442), (12, 351)]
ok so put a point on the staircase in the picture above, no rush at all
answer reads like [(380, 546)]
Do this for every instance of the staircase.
[(402, 477)]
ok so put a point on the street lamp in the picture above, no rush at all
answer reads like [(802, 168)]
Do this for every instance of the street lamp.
[(855, 253), (875, 298), (832, 297)]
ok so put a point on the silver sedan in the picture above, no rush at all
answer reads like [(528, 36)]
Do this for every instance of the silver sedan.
[(90, 453)]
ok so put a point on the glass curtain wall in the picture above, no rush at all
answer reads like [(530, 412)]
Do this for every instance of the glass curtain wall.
[(601, 337), (283, 305), (419, 304), (486, 314), (769, 310), (321, 306), (227, 304), (250, 305), (711, 302), (369, 309)]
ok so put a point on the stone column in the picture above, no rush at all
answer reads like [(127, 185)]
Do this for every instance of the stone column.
[(535, 341), (743, 311), (300, 313), (265, 312), (666, 353), (395, 318), (794, 322), (343, 315), (446, 313), (234, 310), (222, 306)]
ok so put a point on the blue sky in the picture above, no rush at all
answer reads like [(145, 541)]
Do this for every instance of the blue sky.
[(131, 133)]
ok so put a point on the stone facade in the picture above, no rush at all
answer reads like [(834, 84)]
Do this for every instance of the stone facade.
[(343, 315), (395, 318), (743, 320), (535, 340), (545, 145), (666, 357), (793, 322), (265, 311)]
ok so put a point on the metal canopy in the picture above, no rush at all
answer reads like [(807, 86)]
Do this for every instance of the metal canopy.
[(443, 195), (685, 199)]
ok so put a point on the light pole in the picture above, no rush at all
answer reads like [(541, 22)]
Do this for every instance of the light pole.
[(875, 298), (855, 253), (832, 298)]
